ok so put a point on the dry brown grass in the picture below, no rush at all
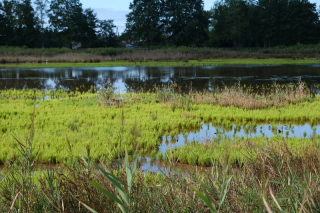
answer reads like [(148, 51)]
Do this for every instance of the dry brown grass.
[(238, 96), (279, 96), (20, 55)]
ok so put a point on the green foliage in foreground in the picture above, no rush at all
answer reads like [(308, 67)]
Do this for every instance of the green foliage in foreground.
[(104, 128), (249, 175), (168, 63), (275, 181)]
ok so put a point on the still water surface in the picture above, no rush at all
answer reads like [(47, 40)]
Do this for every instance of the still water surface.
[(209, 133), (127, 79)]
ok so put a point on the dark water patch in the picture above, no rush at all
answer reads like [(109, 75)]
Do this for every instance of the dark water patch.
[(209, 133), (127, 79)]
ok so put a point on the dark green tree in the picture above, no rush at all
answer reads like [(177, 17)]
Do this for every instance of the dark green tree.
[(287, 22), (186, 22), (19, 23), (28, 27), (232, 22), (72, 23), (302, 20), (106, 34), (264, 23), (65, 17), (144, 23), (3, 23), (7, 22), (88, 28), (42, 7), (273, 21)]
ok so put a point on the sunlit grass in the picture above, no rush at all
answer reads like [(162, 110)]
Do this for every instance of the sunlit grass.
[(81, 130), (104, 128)]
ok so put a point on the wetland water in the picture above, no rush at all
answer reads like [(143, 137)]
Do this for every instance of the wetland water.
[(127, 79), (210, 132), (142, 78)]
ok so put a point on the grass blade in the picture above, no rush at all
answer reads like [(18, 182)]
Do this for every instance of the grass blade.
[(204, 199), (89, 208), (111, 196)]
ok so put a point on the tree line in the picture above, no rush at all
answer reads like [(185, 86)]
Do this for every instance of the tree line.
[(230, 23), (55, 23)]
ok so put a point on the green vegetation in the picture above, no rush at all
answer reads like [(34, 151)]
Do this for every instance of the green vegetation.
[(277, 181), (205, 62), (79, 130), (104, 126), (236, 23), (239, 151)]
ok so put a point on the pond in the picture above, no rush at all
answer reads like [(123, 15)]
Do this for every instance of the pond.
[(127, 79)]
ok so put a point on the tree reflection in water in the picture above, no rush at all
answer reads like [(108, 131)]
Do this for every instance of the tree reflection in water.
[(141, 79)]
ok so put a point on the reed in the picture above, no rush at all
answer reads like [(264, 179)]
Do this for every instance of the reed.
[(182, 56), (276, 181)]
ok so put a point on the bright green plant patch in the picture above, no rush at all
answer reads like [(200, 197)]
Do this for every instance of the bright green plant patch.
[(104, 128), (239, 151)]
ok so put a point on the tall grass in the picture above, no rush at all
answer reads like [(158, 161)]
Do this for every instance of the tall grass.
[(275, 181), (56, 55), (275, 95), (280, 96)]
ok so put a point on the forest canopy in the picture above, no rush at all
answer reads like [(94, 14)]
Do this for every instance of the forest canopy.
[(230, 23)]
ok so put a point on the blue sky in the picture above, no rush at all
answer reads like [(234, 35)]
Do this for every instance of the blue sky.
[(117, 9)]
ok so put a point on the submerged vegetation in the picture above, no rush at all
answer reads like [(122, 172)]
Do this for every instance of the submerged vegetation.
[(82, 131)]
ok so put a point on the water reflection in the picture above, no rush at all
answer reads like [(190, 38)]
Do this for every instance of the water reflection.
[(209, 132), (126, 79)]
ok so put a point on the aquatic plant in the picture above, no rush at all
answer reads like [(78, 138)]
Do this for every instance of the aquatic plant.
[(90, 124), (276, 180)]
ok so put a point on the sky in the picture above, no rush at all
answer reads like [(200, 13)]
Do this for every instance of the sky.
[(117, 9)]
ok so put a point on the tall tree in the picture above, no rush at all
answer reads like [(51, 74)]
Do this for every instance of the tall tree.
[(88, 28), (2, 25), (66, 16), (272, 16), (287, 22), (72, 23), (21, 23), (186, 22), (144, 22), (232, 22), (106, 34), (175, 22), (302, 20), (42, 6)]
